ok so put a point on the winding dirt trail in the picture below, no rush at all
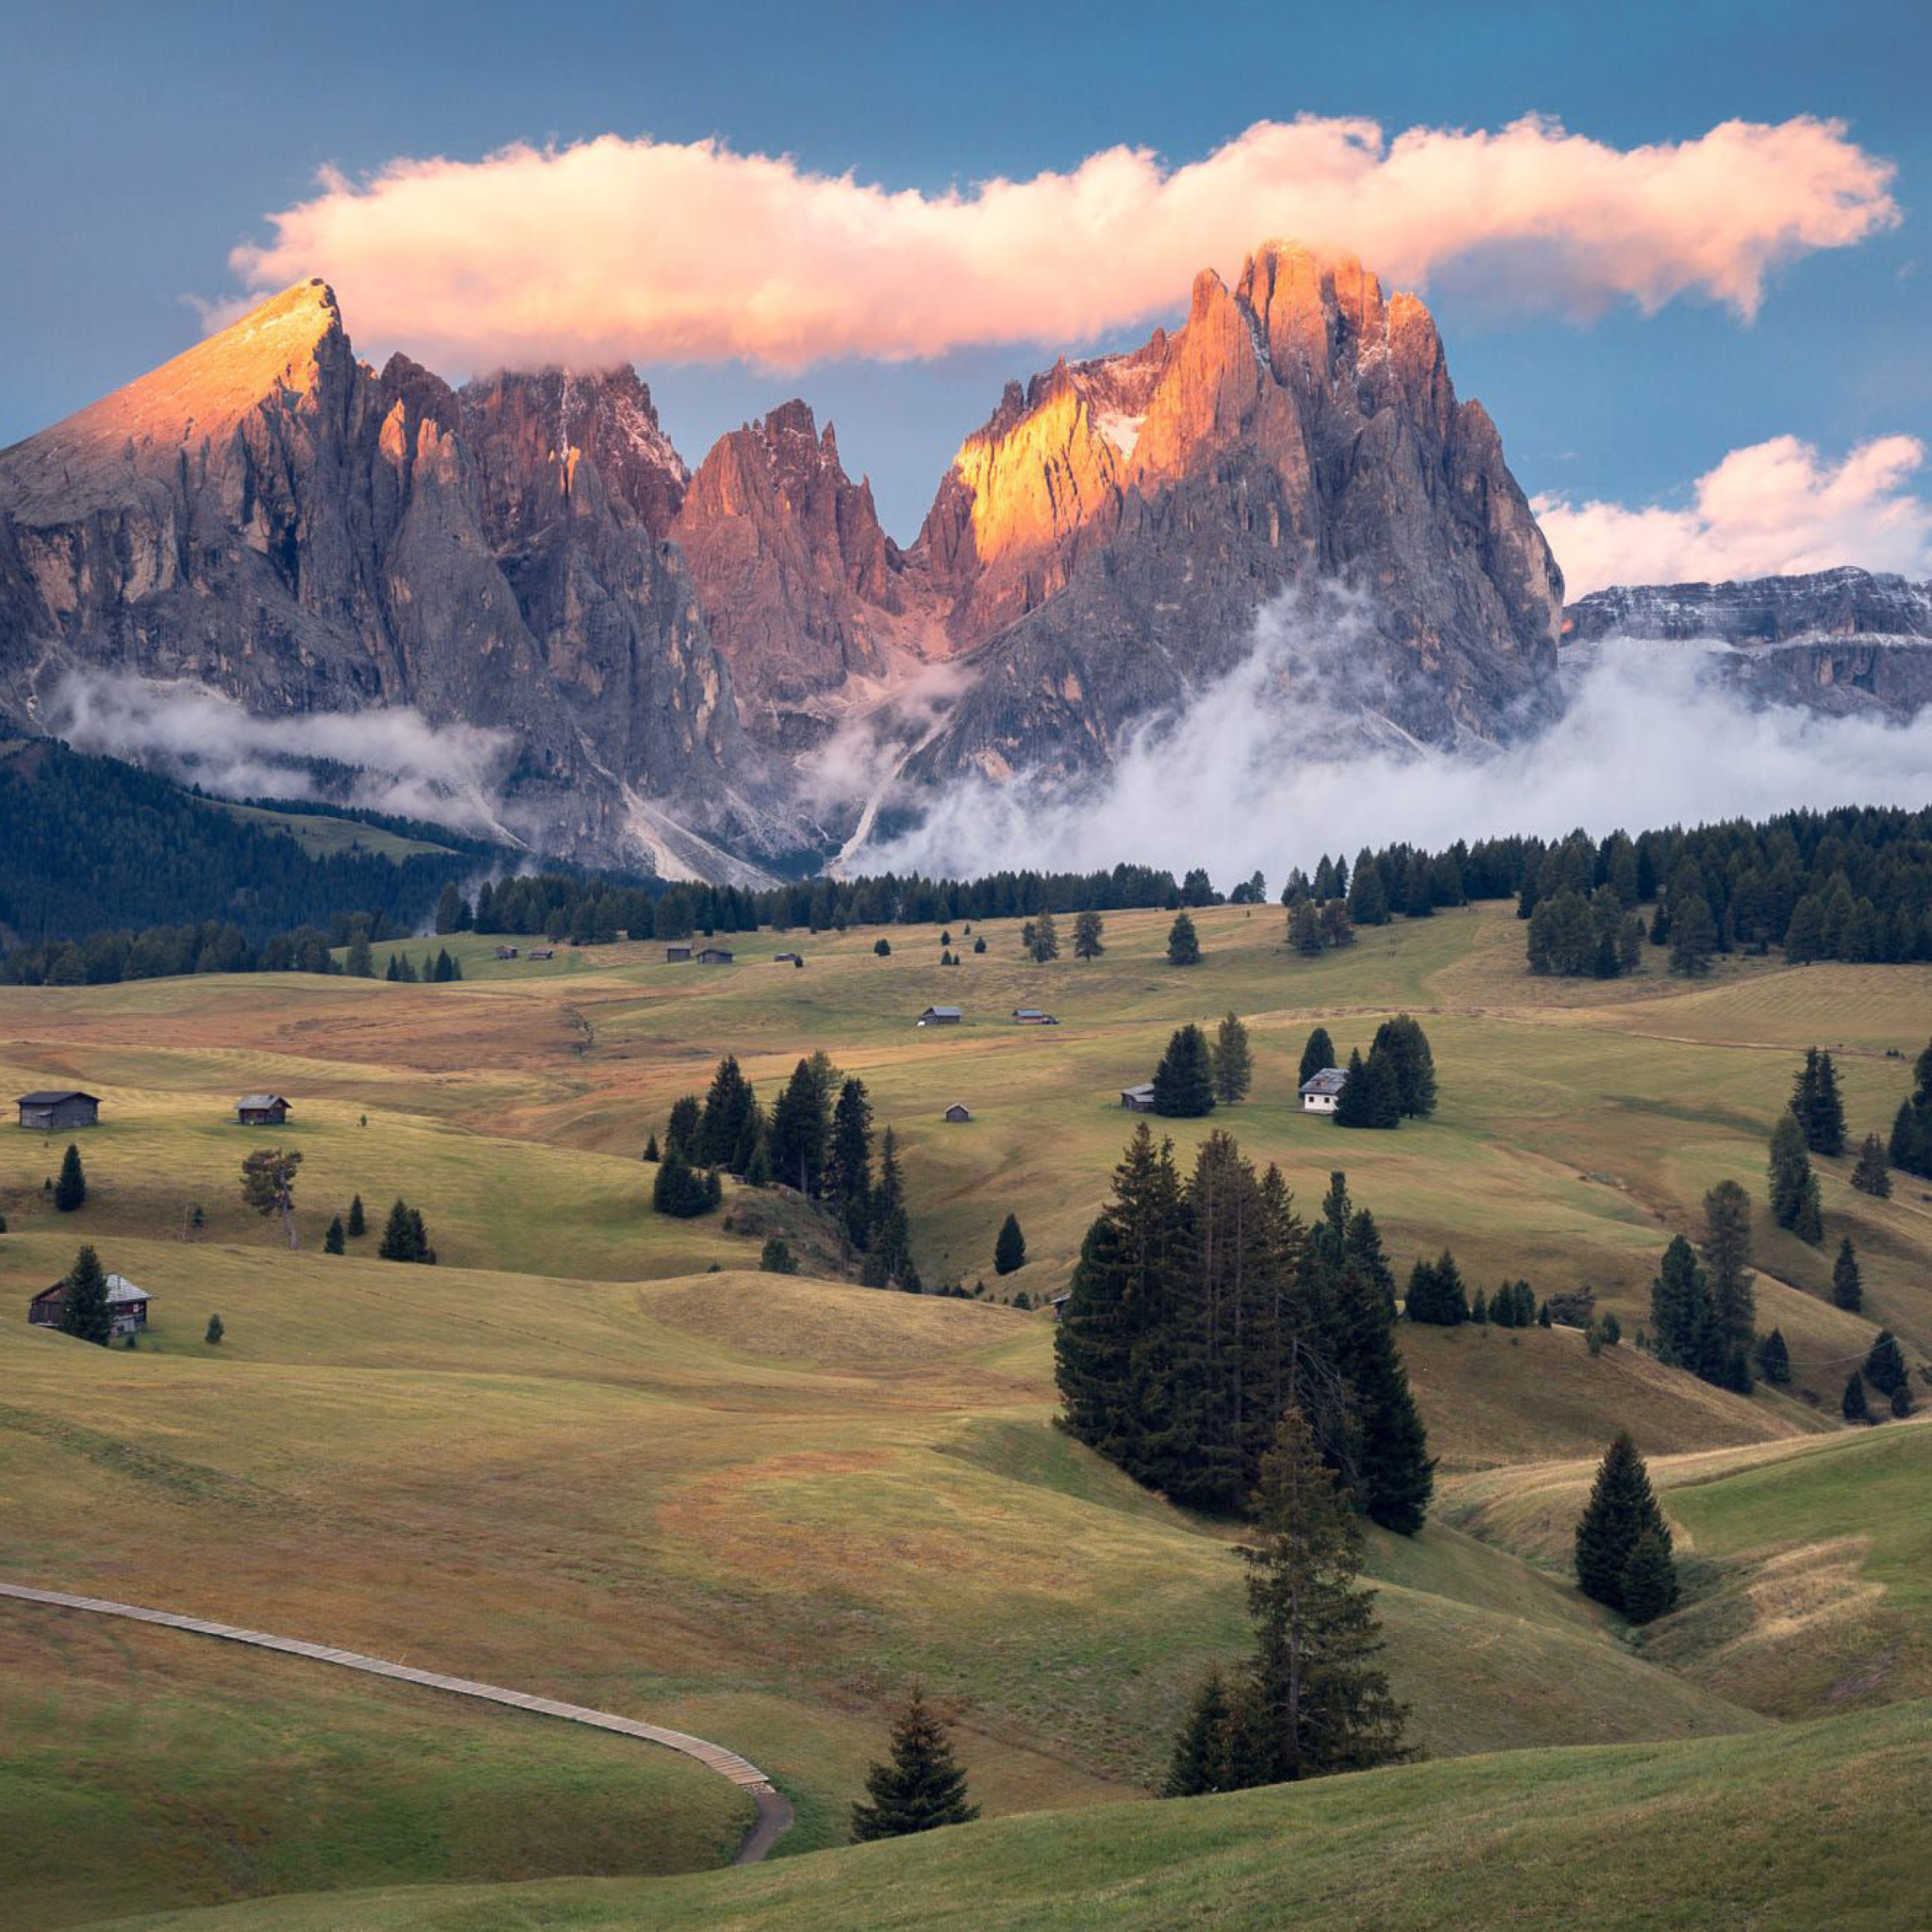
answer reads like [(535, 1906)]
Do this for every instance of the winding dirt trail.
[(774, 1817)]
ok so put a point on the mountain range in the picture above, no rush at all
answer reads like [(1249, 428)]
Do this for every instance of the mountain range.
[(734, 670)]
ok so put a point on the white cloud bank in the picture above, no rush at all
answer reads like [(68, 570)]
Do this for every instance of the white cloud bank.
[(616, 249), (449, 774), (1653, 736), (1772, 508)]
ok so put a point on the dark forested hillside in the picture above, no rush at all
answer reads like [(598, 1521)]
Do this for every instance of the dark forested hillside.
[(89, 844)]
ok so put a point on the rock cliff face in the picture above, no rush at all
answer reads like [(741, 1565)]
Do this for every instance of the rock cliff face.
[(1840, 640), (803, 592), (268, 517), (1111, 534)]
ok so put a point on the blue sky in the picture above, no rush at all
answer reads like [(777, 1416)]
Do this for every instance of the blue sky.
[(139, 144)]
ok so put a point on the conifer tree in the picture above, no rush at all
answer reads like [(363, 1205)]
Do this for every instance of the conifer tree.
[(1884, 1366), (1649, 1582), (1436, 1293), (1793, 1186), (724, 1124), (681, 1130), (1183, 943), (1901, 1401), (1774, 1360), (1184, 1081), (1304, 929), (358, 1221), (848, 1162), (69, 1190), (399, 1239), (799, 1131), (1088, 927), (1009, 1248), (1233, 1062), (1318, 1700), (332, 1242), (1372, 1095), (776, 1257), (1694, 935), (1872, 1174), (1200, 1763), (215, 1331), (1317, 1055), (1855, 1408), (1368, 897), (1046, 939), (681, 1190), (268, 1184), (1847, 1283), (1683, 1323), (922, 1787), (85, 1311), (1726, 1250), (1407, 1047), (890, 1261), (651, 1155), (1621, 1511), (1393, 1472), (1363, 1253), (1818, 1106)]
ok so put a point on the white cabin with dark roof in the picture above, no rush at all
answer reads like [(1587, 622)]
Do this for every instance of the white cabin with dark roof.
[(1322, 1092)]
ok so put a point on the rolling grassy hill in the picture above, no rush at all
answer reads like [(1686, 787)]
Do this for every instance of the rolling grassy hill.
[(571, 1461), (1816, 1825)]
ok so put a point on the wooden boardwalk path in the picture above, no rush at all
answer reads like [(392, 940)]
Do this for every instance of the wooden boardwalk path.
[(775, 1816)]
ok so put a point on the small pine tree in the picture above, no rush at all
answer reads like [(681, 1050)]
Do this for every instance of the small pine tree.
[(923, 1787), (215, 1331), (1901, 1401), (680, 1188), (883, 948), (651, 1150), (333, 1242), (84, 1313), (1183, 943), (69, 1190), (1847, 1283), (399, 1239), (1088, 928), (776, 1257), (1010, 1250), (1200, 1761), (1855, 1408), (1774, 1360), (980, 945), (1621, 1511), (358, 1221), (1793, 1185), (1649, 1582), (1872, 1174)]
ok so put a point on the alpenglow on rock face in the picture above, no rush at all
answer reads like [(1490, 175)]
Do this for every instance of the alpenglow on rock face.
[(270, 518), (1838, 641)]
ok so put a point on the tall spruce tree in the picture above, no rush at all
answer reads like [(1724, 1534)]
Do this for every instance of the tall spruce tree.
[(1320, 1703), (1774, 1360), (922, 1787), (1694, 935), (1184, 1081), (848, 1162), (1201, 1761), (1010, 1247), (1372, 1096), (1363, 1253), (799, 1131), (1847, 1283), (1726, 1250), (85, 1311), (1622, 1510), (1855, 1409), (725, 1126), (358, 1221), (1649, 1582), (1087, 942), (1884, 1366), (889, 1263), (1436, 1294), (1318, 1054), (1818, 1105), (681, 1130), (1183, 943), (1407, 1047), (1793, 1185), (1233, 1062), (1684, 1329), (1393, 1475), (333, 1241), (70, 1190)]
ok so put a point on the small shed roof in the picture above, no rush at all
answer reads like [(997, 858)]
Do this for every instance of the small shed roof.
[(1329, 1081), (119, 1291), (960, 1110), (256, 1103), (1143, 1092), (942, 1014), (1029, 1012), (53, 1095)]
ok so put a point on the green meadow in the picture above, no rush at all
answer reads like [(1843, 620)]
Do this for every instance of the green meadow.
[(594, 1454)]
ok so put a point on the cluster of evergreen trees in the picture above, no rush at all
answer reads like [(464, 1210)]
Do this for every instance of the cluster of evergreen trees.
[(1885, 1370), (437, 969), (817, 1138), (1703, 1309), (1849, 884), (1396, 1082), (1196, 1076), (97, 846), (404, 1236), (1203, 1308)]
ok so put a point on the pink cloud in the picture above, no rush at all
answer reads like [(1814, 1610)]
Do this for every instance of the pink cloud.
[(1767, 509), (615, 249)]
